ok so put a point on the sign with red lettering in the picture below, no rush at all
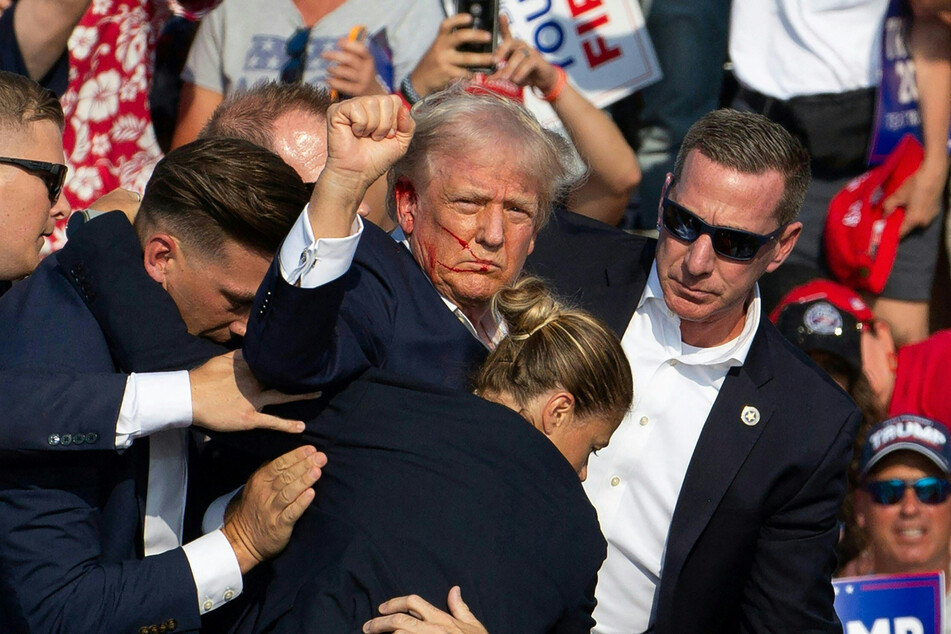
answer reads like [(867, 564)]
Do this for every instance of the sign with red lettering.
[(602, 44)]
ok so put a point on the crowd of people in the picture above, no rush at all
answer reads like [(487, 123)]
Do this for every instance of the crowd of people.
[(366, 350)]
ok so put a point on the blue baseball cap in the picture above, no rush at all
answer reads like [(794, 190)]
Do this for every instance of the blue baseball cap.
[(907, 432)]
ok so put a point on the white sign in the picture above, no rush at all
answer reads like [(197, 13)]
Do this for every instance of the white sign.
[(602, 44)]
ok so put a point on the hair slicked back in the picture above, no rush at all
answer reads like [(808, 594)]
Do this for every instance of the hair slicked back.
[(221, 188), (751, 144), (23, 101)]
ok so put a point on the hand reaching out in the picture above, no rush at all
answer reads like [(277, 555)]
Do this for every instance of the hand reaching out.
[(413, 614), (226, 397), (443, 62), (259, 520)]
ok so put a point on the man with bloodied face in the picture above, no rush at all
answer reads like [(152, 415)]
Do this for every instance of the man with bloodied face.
[(470, 188)]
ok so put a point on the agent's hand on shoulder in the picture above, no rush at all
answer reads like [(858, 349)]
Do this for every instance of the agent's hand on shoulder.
[(413, 614), (259, 520), (226, 397)]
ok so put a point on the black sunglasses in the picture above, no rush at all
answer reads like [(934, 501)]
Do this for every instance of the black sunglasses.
[(53, 175), (734, 244), (296, 50), (929, 490)]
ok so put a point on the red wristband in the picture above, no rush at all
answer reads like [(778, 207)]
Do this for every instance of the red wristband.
[(560, 82)]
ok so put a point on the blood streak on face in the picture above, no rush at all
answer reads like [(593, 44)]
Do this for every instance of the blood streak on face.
[(465, 245)]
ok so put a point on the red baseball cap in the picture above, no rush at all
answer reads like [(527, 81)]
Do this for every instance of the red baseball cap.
[(824, 315), (860, 241)]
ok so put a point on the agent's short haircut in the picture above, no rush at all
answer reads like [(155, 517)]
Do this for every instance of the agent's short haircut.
[(23, 101), (250, 114), (550, 346), (453, 122), (751, 144), (212, 190)]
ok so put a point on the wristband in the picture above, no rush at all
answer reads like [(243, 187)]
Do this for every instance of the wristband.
[(560, 82), (406, 87)]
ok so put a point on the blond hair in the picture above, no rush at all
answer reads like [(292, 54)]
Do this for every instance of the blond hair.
[(553, 346)]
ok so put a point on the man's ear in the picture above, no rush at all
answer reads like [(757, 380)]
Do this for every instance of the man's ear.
[(557, 411), (786, 242), (407, 203), (162, 256)]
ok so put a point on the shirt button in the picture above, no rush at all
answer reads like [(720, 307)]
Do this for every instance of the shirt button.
[(229, 594), (644, 421), (673, 362), (615, 481), (207, 605)]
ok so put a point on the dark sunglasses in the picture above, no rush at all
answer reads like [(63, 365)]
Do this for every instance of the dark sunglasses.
[(929, 490), (296, 50), (53, 175), (733, 244)]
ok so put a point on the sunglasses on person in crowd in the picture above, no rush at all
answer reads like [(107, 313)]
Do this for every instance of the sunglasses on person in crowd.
[(53, 175), (296, 49), (733, 244), (929, 490)]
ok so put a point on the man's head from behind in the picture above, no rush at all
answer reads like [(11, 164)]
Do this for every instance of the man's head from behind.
[(903, 502), (474, 188), (726, 217), (32, 171), (212, 217), (288, 119)]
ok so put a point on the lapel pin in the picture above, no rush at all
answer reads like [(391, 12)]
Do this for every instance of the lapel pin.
[(750, 415)]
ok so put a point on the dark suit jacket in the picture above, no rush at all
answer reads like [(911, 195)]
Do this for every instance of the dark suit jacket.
[(750, 547), (70, 521), (383, 313), (424, 489)]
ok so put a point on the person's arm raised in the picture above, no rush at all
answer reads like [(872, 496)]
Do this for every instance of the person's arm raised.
[(365, 136)]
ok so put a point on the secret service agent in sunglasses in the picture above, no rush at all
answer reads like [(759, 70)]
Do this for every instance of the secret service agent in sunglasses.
[(53, 175), (733, 244), (929, 490)]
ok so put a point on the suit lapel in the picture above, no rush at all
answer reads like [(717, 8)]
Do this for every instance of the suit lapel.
[(723, 447)]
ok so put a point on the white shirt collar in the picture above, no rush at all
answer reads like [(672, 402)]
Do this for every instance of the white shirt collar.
[(732, 352)]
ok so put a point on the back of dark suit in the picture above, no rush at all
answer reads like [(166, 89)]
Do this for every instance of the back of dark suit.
[(428, 488)]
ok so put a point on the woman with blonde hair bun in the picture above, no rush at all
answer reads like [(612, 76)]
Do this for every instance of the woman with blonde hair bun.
[(428, 488)]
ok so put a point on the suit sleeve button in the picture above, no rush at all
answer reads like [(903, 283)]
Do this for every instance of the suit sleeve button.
[(171, 624), (65, 440), (144, 629), (53, 439), (78, 439), (91, 437)]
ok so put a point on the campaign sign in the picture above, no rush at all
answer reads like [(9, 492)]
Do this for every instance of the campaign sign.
[(896, 110), (602, 44), (890, 604)]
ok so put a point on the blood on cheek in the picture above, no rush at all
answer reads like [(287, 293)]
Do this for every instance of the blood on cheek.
[(465, 246)]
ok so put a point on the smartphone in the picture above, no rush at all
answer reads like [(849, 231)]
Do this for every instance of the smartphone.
[(485, 17)]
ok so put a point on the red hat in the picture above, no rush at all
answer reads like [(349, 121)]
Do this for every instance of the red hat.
[(860, 241), (842, 297)]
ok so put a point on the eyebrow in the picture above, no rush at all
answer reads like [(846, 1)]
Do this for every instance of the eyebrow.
[(238, 297)]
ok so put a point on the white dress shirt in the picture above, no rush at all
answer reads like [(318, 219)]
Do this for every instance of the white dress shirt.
[(635, 481), (159, 405)]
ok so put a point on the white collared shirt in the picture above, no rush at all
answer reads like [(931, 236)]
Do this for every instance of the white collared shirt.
[(635, 481)]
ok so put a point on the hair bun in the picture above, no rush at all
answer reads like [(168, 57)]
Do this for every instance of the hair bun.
[(527, 306)]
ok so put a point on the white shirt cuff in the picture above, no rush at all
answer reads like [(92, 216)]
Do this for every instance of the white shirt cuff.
[(214, 517), (308, 262), (215, 570), (153, 401)]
